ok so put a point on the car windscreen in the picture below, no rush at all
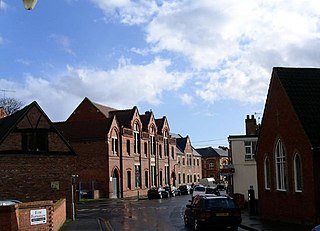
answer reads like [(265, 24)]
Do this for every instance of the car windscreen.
[(200, 189), (210, 191), (220, 203)]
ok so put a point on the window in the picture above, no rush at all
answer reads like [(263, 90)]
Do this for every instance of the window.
[(136, 134), (129, 179), (197, 162), (128, 147), (166, 144), (250, 147), (35, 141), (297, 173), (194, 178), (211, 165), (152, 142), (146, 179), (115, 145), (137, 170), (266, 173), (183, 163), (194, 162), (172, 152), (153, 175), (280, 167), (160, 151), (146, 149), (179, 178), (184, 178)]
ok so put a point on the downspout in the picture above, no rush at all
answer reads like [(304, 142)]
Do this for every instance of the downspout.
[(121, 164)]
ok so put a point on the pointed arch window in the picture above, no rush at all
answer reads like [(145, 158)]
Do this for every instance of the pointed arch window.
[(297, 173), (114, 143), (280, 159), (266, 173), (166, 143), (136, 133)]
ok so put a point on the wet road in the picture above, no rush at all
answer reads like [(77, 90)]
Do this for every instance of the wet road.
[(124, 214)]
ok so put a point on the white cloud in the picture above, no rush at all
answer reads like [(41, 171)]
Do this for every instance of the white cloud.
[(129, 12), (186, 99), (120, 88), (63, 41)]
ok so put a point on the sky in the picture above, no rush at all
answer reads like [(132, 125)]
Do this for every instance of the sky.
[(203, 64)]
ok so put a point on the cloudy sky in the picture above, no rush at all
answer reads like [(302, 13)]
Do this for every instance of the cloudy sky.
[(204, 64)]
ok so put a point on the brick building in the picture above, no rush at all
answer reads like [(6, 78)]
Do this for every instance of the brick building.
[(210, 162), (288, 156), (36, 162), (188, 164), (120, 152)]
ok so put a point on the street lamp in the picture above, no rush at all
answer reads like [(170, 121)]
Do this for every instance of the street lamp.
[(175, 175), (29, 4), (73, 182)]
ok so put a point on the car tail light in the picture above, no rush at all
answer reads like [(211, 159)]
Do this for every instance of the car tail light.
[(204, 215), (236, 214)]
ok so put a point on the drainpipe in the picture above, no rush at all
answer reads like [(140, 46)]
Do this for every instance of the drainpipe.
[(121, 164)]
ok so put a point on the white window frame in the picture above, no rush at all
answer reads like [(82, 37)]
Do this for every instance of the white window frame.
[(249, 146), (280, 162)]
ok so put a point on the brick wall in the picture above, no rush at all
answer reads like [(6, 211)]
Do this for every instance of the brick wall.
[(17, 217), (280, 121)]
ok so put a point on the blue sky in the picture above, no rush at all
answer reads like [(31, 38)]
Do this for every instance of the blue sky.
[(204, 64)]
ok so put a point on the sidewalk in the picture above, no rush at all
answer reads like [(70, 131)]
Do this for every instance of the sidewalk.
[(255, 223)]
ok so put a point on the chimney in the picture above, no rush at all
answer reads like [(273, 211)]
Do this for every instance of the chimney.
[(2, 113), (251, 125)]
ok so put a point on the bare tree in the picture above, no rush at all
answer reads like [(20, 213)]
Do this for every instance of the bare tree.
[(10, 105)]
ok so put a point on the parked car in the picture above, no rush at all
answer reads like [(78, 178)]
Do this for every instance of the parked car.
[(198, 190), (6, 202), (184, 190), (157, 193), (317, 228), (218, 212), (175, 191)]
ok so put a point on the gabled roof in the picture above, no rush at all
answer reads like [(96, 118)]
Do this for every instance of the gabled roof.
[(80, 131), (207, 152), (104, 109), (181, 143), (160, 124), (302, 87), (124, 117), (145, 120), (9, 123)]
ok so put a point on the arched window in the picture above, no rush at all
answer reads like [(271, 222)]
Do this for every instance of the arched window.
[(114, 139), (266, 173), (297, 173), (136, 133), (280, 160), (166, 143)]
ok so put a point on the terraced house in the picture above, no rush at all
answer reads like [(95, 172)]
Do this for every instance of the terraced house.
[(120, 153)]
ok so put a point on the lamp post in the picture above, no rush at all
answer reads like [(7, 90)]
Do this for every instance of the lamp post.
[(175, 175), (29, 4), (73, 182)]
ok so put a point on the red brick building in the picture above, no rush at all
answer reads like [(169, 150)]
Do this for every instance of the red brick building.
[(36, 162), (210, 162), (288, 156), (120, 153)]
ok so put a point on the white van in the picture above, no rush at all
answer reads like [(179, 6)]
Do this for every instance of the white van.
[(210, 182)]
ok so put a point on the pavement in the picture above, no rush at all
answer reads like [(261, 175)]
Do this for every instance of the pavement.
[(249, 222)]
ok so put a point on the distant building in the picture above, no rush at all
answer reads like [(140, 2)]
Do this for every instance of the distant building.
[(210, 162), (243, 158), (188, 165), (288, 154)]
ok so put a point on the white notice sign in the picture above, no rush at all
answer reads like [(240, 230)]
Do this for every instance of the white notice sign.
[(38, 216)]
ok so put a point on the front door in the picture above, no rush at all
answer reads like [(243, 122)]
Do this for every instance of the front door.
[(115, 184)]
